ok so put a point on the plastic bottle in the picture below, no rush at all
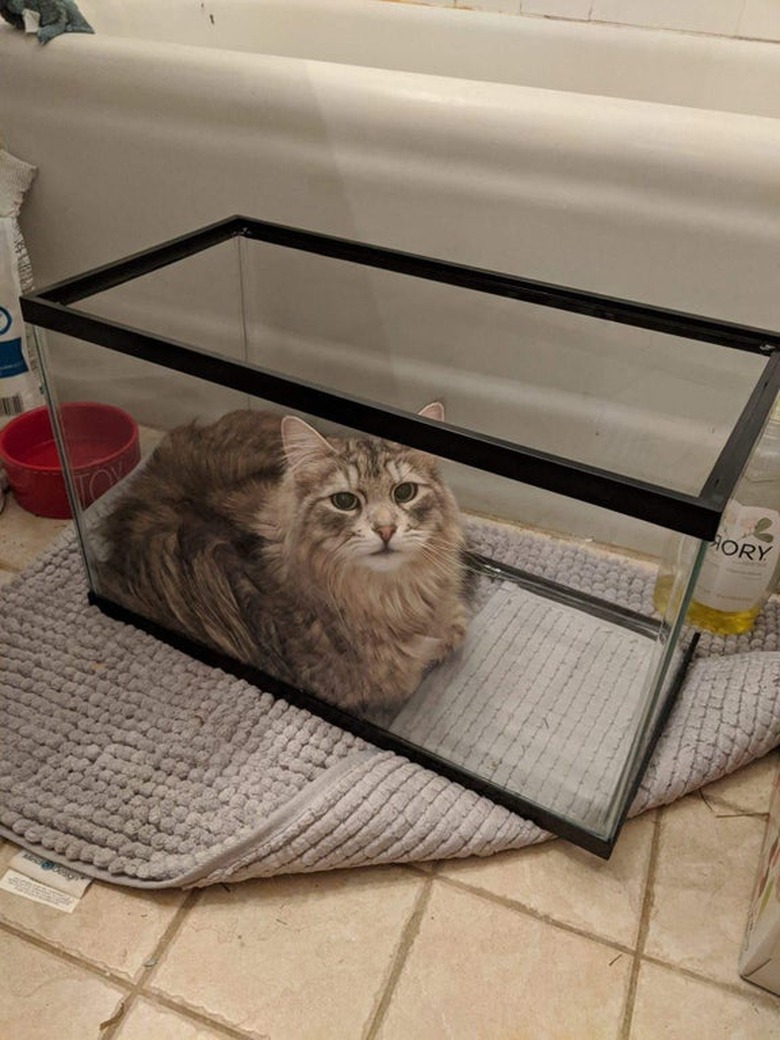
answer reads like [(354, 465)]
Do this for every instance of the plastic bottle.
[(740, 567)]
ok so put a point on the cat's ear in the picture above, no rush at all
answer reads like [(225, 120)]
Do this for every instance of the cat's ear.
[(434, 410), (302, 442)]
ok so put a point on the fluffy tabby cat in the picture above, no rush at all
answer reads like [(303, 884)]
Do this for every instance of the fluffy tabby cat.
[(335, 564)]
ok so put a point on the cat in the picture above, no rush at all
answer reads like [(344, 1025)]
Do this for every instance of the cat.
[(335, 564)]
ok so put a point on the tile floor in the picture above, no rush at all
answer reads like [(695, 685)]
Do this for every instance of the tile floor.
[(547, 942)]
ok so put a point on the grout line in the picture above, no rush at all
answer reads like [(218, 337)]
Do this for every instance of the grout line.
[(537, 915), (405, 944), (144, 984), (589, 19), (65, 955), (115, 1024), (133, 989), (153, 961), (737, 989), (644, 926), (198, 1017)]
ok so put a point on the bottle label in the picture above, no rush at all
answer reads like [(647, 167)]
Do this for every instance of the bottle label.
[(12, 361), (20, 387), (738, 566)]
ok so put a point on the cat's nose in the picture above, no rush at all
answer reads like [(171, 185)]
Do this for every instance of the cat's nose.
[(386, 532)]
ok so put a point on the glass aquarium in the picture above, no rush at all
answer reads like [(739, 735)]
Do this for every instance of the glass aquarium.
[(423, 500)]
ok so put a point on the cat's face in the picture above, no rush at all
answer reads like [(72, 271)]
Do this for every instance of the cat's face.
[(367, 503)]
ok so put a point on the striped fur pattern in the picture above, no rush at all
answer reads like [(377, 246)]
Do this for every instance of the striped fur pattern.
[(334, 564)]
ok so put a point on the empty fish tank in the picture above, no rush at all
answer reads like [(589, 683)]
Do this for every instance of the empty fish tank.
[(423, 500)]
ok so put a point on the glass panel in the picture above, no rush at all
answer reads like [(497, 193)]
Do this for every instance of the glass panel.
[(532, 661), (639, 403), (197, 300)]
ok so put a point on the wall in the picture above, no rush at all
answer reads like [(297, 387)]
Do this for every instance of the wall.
[(749, 19)]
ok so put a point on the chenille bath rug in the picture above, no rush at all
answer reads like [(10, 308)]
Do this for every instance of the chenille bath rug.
[(136, 764)]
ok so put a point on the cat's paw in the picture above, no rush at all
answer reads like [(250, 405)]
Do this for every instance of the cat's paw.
[(425, 649), (453, 639)]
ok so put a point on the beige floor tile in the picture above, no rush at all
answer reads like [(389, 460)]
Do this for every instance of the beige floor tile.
[(42, 996), (674, 1007), (24, 536), (571, 885), (703, 881), (146, 1021), (291, 957), (6, 576), (116, 928), (478, 971), (748, 790)]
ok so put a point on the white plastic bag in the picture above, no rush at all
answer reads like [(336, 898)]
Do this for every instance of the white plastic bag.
[(19, 382), (20, 385)]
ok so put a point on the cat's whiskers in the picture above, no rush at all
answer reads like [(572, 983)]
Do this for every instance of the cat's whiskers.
[(439, 558)]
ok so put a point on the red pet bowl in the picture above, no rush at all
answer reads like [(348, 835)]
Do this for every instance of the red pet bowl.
[(102, 446)]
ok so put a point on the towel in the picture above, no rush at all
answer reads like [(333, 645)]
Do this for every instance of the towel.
[(52, 17)]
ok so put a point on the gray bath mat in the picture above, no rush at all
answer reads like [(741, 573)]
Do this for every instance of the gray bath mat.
[(542, 699), (139, 765)]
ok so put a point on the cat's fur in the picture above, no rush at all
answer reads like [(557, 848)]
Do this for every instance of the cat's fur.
[(230, 534)]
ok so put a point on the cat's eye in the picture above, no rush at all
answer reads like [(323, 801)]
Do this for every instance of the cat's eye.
[(405, 492), (345, 501)]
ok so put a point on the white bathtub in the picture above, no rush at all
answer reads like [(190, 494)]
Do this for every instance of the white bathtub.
[(628, 162)]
